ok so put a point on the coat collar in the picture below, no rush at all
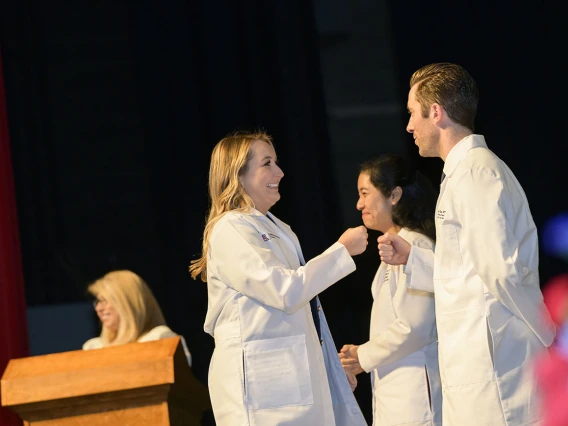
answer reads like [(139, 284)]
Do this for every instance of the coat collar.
[(459, 151), (284, 227), (403, 233)]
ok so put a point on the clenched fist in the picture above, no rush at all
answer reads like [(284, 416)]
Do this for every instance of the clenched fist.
[(355, 240), (349, 357), (393, 249)]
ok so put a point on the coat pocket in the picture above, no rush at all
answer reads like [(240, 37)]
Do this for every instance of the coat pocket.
[(277, 373), (448, 262), (464, 347), (402, 392)]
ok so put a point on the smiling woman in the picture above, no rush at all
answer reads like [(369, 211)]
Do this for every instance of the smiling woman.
[(128, 311), (401, 354), (274, 360), (262, 176)]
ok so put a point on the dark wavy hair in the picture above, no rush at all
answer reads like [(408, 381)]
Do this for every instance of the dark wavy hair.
[(416, 207)]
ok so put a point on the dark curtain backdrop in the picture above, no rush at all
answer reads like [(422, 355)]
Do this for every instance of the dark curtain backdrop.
[(513, 51), (114, 110), (13, 329)]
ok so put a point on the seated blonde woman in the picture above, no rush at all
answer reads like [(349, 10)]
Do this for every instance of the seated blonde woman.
[(128, 311)]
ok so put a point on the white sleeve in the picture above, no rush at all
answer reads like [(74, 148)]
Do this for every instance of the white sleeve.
[(485, 208), (94, 343), (419, 269), (244, 262), (413, 328)]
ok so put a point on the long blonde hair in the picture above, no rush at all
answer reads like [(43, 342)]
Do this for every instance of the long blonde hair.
[(134, 302), (229, 161)]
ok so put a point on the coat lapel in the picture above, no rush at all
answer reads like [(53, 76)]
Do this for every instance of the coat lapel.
[(289, 242)]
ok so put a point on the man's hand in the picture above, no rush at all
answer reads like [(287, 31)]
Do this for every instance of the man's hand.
[(393, 249), (350, 359)]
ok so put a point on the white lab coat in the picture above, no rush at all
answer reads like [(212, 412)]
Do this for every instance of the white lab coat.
[(269, 367), (489, 311), (402, 353)]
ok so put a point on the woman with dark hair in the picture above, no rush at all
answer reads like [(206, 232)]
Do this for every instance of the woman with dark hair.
[(402, 352)]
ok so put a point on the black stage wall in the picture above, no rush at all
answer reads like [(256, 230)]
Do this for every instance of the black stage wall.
[(114, 108)]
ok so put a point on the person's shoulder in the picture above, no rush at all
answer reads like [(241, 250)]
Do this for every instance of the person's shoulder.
[(227, 219), (483, 160), (417, 239), (237, 220), (232, 217), (157, 333), (94, 343), (480, 166)]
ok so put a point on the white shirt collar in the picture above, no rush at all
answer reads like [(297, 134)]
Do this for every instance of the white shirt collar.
[(459, 151)]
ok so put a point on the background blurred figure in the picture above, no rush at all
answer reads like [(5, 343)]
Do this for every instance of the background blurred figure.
[(128, 311), (274, 360), (552, 369), (402, 353)]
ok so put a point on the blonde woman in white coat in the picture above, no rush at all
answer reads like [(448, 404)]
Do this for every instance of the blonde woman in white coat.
[(269, 366), (402, 352)]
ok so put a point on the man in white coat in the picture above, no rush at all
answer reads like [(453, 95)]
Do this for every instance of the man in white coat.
[(490, 314), (274, 362)]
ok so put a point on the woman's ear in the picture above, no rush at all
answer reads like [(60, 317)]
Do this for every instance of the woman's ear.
[(395, 195)]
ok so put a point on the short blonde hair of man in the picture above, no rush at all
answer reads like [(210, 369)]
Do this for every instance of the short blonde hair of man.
[(134, 302), (449, 85), (229, 161)]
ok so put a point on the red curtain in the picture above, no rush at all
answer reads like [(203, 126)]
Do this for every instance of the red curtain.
[(13, 324)]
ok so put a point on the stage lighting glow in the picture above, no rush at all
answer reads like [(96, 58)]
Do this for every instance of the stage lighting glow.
[(554, 239)]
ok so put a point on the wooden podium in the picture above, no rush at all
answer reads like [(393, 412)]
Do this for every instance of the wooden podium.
[(138, 384)]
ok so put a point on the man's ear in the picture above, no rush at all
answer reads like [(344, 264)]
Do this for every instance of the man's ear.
[(395, 195), (437, 112)]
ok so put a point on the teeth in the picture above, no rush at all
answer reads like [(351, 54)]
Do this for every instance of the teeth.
[(273, 185)]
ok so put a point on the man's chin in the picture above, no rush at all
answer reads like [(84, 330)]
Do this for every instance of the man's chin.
[(425, 154)]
